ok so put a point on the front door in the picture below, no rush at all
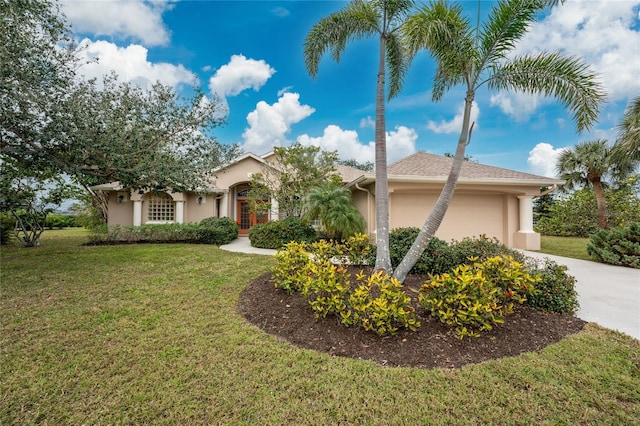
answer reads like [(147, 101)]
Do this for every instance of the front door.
[(246, 219)]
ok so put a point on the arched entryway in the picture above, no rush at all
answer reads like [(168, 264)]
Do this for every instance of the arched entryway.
[(244, 216)]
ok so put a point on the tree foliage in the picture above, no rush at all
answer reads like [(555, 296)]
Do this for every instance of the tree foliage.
[(589, 164), (628, 142), (95, 131), (575, 215), (289, 178), (30, 198)]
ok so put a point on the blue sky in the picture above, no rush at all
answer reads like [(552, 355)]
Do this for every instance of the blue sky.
[(250, 55)]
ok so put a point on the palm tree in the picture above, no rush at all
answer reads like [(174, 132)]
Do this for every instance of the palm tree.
[(628, 143), (361, 19), (333, 206), (587, 164), (478, 56)]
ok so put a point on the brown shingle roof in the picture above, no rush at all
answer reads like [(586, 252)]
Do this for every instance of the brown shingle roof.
[(422, 164), (348, 173)]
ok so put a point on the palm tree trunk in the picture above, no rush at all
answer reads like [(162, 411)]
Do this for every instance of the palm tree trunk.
[(436, 216), (383, 258), (601, 203)]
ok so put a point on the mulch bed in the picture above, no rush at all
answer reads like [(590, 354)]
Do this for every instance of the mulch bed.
[(434, 345)]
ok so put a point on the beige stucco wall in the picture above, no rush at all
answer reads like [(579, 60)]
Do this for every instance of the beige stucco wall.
[(238, 173), (492, 211), (120, 213)]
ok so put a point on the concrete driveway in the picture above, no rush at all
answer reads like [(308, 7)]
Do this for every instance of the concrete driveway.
[(608, 295)]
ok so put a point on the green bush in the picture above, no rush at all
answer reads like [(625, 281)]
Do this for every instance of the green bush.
[(400, 240), (555, 289), (479, 248), (59, 221), (217, 230), (277, 233), (618, 246), (326, 287), (159, 233), (474, 298), (7, 223)]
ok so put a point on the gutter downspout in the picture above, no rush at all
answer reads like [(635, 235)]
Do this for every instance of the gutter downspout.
[(548, 191)]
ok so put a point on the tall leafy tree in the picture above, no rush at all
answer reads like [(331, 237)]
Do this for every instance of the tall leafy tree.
[(363, 19), (628, 143), (476, 56), (99, 130), (289, 177), (588, 164)]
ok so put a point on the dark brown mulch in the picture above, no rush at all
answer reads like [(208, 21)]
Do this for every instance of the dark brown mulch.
[(434, 345)]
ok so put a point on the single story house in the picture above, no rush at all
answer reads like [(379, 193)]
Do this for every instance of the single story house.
[(488, 200)]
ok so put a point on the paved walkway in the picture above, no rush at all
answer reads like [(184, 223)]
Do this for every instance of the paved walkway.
[(608, 295)]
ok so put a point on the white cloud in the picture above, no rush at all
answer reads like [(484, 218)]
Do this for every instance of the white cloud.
[(240, 74), (604, 34), (367, 122), (543, 158), (518, 105), (131, 64), (141, 20), (455, 125), (281, 12), (269, 124), (284, 90), (400, 143)]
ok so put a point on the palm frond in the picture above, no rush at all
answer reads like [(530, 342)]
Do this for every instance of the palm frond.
[(567, 79), (442, 30), (628, 143), (355, 21), (507, 23), (397, 64)]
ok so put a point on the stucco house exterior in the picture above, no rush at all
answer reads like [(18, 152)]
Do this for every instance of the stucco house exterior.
[(488, 200)]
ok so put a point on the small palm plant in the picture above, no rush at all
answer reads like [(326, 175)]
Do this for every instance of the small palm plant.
[(333, 206)]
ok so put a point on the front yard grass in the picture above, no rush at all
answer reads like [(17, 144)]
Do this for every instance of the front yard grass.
[(573, 247), (150, 334)]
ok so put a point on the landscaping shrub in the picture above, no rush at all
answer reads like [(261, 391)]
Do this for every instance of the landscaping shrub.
[(160, 233), (217, 230), (59, 221), (618, 246), (474, 298), (357, 249), (477, 248), (400, 240), (326, 288), (277, 233), (7, 223), (555, 289), (289, 270), (379, 304)]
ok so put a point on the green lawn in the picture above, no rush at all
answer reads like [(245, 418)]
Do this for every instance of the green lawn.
[(150, 334), (573, 247)]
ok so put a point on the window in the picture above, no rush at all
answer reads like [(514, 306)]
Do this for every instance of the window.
[(161, 208)]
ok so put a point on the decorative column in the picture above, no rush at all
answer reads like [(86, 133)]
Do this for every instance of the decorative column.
[(224, 205), (137, 213), (526, 238), (274, 214), (526, 213), (179, 211)]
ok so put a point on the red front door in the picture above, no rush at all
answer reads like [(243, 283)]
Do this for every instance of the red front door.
[(246, 219)]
